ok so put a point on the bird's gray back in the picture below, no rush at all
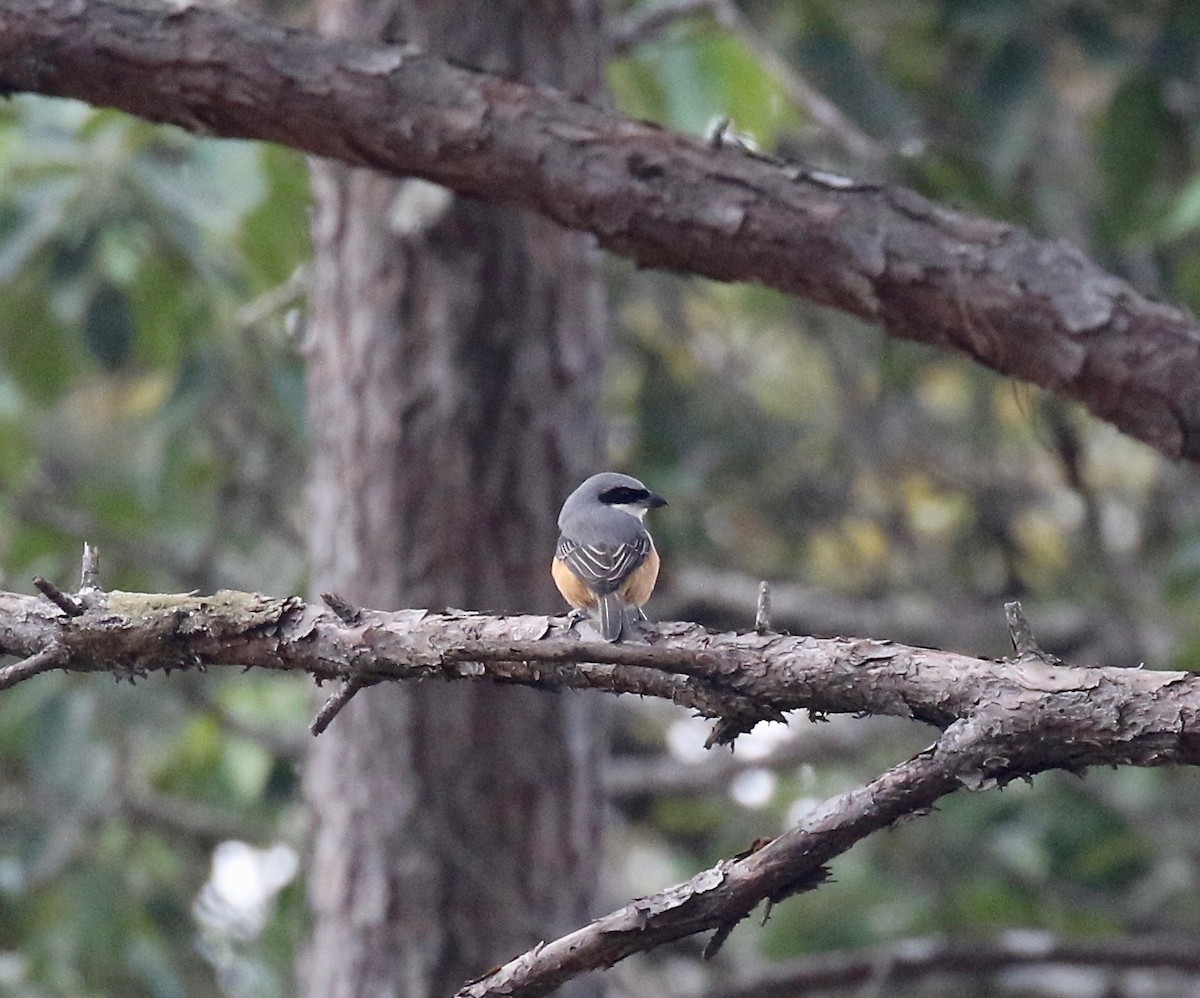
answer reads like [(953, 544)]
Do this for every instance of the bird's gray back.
[(595, 524)]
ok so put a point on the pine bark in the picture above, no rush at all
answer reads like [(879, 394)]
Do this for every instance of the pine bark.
[(1026, 307), (453, 375)]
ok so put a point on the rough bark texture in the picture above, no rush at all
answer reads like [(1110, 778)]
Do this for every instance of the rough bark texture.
[(1071, 716), (999, 721), (1030, 308), (453, 376)]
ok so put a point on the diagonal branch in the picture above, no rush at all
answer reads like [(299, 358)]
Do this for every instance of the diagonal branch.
[(991, 748), (1029, 308), (1000, 719), (721, 896)]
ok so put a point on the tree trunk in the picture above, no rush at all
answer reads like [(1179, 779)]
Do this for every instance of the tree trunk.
[(454, 368)]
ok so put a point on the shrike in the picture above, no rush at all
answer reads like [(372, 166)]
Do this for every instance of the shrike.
[(605, 561)]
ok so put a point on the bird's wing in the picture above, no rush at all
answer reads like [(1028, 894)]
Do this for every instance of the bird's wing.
[(603, 567)]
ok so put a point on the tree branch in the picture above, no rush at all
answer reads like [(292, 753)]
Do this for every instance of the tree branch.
[(644, 23), (913, 959), (989, 749), (720, 897), (1029, 308), (1100, 715), (1000, 719), (50, 657)]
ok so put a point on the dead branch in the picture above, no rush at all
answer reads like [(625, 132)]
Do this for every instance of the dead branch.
[(1000, 719), (739, 678), (987, 750), (1084, 716), (1029, 308), (913, 959), (720, 897)]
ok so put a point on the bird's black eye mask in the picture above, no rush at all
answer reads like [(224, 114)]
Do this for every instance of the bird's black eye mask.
[(623, 495)]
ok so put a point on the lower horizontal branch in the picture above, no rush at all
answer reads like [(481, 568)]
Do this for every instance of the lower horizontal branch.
[(1000, 719), (913, 959)]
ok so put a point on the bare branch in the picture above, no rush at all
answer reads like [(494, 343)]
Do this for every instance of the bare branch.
[(1021, 634), (274, 300), (175, 816), (1029, 308), (647, 22), (50, 657), (179, 816), (740, 678), (347, 613), (908, 961), (762, 613), (696, 592), (1001, 719), (641, 25), (723, 895), (68, 604), (824, 113), (656, 776), (89, 576), (330, 708), (989, 749)]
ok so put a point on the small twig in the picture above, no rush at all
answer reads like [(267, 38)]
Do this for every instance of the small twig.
[(641, 24), (330, 709), (56, 596), (714, 944), (1019, 631), (716, 131), (722, 135), (347, 613), (762, 614), (89, 576), (824, 113), (273, 300), (48, 658)]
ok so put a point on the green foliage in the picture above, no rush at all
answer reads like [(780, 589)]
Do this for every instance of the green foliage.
[(146, 407), (139, 410), (796, 444)]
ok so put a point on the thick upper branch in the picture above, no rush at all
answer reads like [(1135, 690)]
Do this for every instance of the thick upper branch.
[(1026, 307)]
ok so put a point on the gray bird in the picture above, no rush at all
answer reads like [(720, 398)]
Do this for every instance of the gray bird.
[(605, 561)]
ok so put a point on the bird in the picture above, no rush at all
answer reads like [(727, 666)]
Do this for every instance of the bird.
[(605, 562)]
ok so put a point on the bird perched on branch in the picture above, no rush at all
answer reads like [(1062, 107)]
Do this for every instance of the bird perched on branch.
[(605, 562)]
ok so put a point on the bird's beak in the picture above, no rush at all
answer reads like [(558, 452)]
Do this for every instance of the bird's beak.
[(654, 501)]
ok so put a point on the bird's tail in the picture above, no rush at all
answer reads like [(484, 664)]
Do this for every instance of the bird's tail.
[(612, 616)]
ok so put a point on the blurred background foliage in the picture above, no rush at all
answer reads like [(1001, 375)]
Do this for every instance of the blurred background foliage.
[(152, 401)]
